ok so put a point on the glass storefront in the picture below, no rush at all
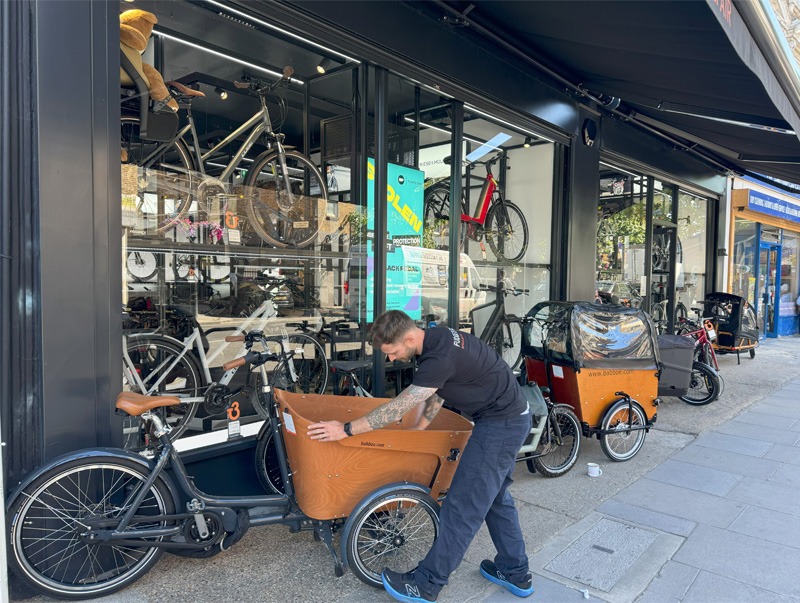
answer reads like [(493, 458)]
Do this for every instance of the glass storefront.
[(668, 278), (254, 209), (764, 272)]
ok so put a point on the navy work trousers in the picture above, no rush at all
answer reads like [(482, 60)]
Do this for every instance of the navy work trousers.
[(479, 493)]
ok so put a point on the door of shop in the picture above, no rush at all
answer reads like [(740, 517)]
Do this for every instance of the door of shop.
[(769, 282)]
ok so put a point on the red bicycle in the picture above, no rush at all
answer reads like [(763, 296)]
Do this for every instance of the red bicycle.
[(706, 383), (496, 218)]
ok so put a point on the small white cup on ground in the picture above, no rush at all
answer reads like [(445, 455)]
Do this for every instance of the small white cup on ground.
[(593, 469)]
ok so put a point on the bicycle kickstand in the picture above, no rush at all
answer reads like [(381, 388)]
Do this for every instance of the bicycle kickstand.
[(322, 529)]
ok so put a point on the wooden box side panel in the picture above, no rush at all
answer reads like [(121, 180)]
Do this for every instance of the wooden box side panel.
[(598, 387)]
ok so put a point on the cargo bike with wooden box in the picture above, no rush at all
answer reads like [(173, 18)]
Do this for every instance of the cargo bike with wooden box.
[(601, 360), (93, 521)]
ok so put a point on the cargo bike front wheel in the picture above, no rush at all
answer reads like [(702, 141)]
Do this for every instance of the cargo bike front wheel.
[(394, 527), (623, 430)]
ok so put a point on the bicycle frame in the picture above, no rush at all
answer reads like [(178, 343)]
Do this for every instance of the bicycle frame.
[(703, 341), (488, 189), (264, 313), (201, 502), (259, 123)]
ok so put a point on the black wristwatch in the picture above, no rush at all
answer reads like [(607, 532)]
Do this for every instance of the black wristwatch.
[(347, 429)]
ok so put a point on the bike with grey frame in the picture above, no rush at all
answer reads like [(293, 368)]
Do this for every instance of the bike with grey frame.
[(285, 196)]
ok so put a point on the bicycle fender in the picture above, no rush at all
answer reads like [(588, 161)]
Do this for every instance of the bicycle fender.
[(366, 501), (88, 454)]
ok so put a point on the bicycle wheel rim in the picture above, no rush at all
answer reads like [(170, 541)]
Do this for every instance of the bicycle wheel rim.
[(52, 516), (150, 357), (622, 443), (309, 363), (162, 191), (507, 231), (437, 217), (512, 343), (279, 218)]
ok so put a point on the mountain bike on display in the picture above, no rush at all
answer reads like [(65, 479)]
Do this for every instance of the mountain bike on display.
[(495, 218), (92, 522), (284, 195)]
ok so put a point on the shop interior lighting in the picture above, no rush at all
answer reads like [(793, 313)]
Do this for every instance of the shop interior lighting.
[(223, 94), (304, 41), (527, 143), (445, 130), (506, 123), (324, 65), (167, 36)]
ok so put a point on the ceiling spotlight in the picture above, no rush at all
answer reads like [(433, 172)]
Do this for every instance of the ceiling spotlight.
[(223, 94), (324, 65), (527, 143)]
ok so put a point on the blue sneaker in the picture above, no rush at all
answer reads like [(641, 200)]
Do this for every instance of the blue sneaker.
[(403, 587), (524, 588)]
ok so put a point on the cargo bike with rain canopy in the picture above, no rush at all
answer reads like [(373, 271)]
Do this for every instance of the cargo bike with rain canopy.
[(734, 321), (602, 360)]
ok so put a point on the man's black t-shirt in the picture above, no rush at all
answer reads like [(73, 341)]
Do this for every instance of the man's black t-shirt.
[(468, 375)]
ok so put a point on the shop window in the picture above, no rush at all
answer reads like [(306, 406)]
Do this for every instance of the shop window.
[(690, 278), (216, 241), (621, 236), (745, 246)]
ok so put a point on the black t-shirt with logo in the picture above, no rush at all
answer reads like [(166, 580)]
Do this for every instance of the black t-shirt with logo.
[(468, 375)]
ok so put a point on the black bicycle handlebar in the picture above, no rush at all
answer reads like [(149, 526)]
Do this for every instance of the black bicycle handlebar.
[(260, 85), (506, 290)]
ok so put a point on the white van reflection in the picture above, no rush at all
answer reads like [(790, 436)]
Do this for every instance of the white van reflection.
[(425, 270)]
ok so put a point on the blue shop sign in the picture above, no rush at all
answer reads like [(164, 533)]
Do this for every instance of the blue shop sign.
[(767, 204)]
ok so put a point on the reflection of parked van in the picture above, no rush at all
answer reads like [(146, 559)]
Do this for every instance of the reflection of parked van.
[(424, 273)]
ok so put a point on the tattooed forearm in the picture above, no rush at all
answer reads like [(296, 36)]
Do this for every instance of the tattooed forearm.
[(432, 407), (410, 397)]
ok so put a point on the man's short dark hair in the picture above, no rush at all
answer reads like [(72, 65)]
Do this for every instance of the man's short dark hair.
[(390, 327)]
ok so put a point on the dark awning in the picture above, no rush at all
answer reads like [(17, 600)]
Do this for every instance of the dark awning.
[(689, 68)]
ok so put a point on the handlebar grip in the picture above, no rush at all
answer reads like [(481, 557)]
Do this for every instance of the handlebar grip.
[(236, 362), (234, 338)]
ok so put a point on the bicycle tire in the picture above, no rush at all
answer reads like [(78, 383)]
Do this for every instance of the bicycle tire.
[(681, 313), (218, 273), (268, 469), (142, 265), (296, 226), (310, 363), (506, 233), (556, 458), (659, 318), (394, 531), (622, 444), (168, 176), (151, 355), (55, 507), (704, 386), (436, 215), (508, 342)]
